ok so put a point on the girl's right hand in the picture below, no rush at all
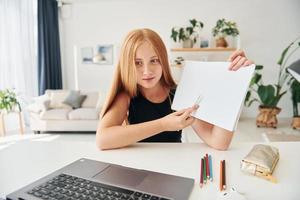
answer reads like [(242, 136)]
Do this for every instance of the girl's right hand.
[(179, 120)]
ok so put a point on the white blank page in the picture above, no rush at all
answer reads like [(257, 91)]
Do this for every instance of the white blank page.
[(223, 91)]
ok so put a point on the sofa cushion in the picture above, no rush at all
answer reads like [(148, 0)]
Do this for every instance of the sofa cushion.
[(74, 99), (84, 114), (90, 100), (55, 114), (57, 98)]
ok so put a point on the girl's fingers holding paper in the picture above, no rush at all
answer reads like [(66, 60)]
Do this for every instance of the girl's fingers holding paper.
[(240, 63), (236, 54), (188, 113), (180, 112), (248, 62), (234, 62)]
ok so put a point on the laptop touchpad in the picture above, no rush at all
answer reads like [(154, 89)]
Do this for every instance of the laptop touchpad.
[(121, 176)]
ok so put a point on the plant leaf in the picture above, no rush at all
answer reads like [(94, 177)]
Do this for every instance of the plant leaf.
[(295, 90), (248, 95), (193, 22), (253, 100), (174, 34), (255, 79), (266, 94), (283, 54), (259, 67)]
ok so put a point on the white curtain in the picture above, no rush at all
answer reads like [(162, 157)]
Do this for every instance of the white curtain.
[(18, 19)]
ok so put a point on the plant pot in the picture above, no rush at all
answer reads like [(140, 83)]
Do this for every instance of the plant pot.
[(296, 122), (233, 41), (187, 43), (267, 117), (221, 42)]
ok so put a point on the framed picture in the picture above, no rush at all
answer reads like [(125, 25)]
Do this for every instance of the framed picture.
[(103, 55), (87, 55)]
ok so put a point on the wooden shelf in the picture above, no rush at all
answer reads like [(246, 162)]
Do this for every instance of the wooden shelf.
[(202, 49)]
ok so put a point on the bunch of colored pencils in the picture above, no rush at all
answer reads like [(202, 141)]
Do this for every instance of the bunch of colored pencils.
[(206, 172), (222, 175)]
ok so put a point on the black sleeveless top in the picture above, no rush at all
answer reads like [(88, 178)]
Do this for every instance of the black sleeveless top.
[(143, 110)]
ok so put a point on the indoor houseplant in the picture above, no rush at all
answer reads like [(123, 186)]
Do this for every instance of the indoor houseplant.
[(293, 84), (295, 91), (269, 95), (222, 29), (188, 35), (8, 101)]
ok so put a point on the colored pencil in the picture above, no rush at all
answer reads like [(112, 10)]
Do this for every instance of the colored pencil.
[(224, 175), (210, 168), (207, 166), (201, 173), (221, 178), (204, 170)]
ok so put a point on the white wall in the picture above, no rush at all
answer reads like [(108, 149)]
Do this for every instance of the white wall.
[(266, 28)]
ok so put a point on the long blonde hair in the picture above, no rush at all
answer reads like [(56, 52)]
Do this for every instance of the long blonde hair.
[(125, 76)]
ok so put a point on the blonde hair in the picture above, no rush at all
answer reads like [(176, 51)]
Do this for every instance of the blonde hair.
[(125, 76)]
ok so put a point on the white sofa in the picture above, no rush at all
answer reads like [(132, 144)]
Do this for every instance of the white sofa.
[(48, 113)]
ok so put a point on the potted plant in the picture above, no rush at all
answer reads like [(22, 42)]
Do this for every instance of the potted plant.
[(295, 91), (268, 96), (293, 84), (222, 29), (8, 101), (188, 35)]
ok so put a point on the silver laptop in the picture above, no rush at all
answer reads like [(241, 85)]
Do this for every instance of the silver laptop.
[(89, 179)]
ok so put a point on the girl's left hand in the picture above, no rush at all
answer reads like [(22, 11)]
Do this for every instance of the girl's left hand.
[(238, 59)]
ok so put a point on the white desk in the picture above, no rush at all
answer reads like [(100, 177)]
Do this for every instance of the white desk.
[(27, 161)]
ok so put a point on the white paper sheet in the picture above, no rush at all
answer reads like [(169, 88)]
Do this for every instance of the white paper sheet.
[(222, 92)]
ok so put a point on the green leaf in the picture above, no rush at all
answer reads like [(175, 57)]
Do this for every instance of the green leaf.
[(190, 30), (283, 54), (253, 100), (201, 25), (274, 101), (8, 100), (174, 34), (259, 67), (266, 94), (290, 80), (295, 91), (181, 35), (247, 97), (255, 79), (193, 22)]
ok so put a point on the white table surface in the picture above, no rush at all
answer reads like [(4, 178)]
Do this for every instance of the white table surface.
[(26, 161)]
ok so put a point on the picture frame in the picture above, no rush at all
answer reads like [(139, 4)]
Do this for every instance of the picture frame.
[(103, 54), (87, 55)]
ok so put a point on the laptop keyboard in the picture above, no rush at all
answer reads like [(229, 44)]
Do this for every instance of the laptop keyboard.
[(66, 187)]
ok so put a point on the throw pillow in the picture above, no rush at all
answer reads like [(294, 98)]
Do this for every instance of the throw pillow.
[(74, 99)]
